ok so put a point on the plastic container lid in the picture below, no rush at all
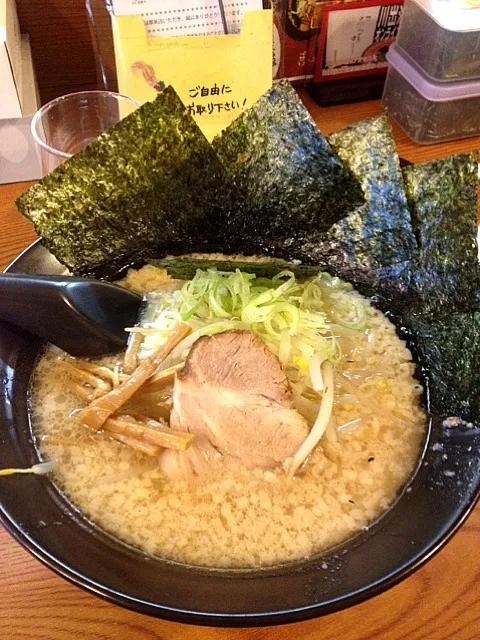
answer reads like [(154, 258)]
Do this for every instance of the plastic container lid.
[(453, 15), (433, 91)]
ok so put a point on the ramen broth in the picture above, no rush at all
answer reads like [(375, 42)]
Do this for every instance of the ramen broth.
[(242, 517)]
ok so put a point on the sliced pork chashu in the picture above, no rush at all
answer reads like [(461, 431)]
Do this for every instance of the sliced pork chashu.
[(233, 393)]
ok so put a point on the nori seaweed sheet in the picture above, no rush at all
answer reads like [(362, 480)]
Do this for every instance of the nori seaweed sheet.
[(448, 348), (440, 308), (364, 246), (364, 255), (368, 149), (442, 196), (134, 190), (285, 172)]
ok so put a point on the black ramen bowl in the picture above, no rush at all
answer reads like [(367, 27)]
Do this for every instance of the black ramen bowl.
[(441, 493)]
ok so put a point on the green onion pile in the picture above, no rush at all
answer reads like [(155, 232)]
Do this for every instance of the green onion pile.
[(300, 322)]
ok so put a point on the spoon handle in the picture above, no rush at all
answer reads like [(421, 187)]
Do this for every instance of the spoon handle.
[(83, 317)]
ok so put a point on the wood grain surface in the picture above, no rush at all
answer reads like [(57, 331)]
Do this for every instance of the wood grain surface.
[(440, 601)]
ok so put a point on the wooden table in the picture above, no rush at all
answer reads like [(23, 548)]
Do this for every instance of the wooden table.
[(440, 601)]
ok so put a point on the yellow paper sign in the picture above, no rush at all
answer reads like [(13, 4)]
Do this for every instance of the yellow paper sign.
[(216, 76)]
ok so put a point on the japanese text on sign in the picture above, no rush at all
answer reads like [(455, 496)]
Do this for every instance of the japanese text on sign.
[(388, 22), (204, 92), (214, 107)]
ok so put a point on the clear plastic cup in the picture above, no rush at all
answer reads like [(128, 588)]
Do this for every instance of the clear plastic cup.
[(67, 124)]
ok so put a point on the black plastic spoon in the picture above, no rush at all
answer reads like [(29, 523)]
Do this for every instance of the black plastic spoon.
[(81, 316)]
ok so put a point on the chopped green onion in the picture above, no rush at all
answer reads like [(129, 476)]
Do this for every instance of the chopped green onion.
[(298, 321)]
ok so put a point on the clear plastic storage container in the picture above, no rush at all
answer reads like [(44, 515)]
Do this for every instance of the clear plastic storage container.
[(429, 111), (442, 37)]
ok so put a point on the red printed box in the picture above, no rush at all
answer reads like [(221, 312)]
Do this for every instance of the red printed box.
[(354, 38), (333, 39)]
